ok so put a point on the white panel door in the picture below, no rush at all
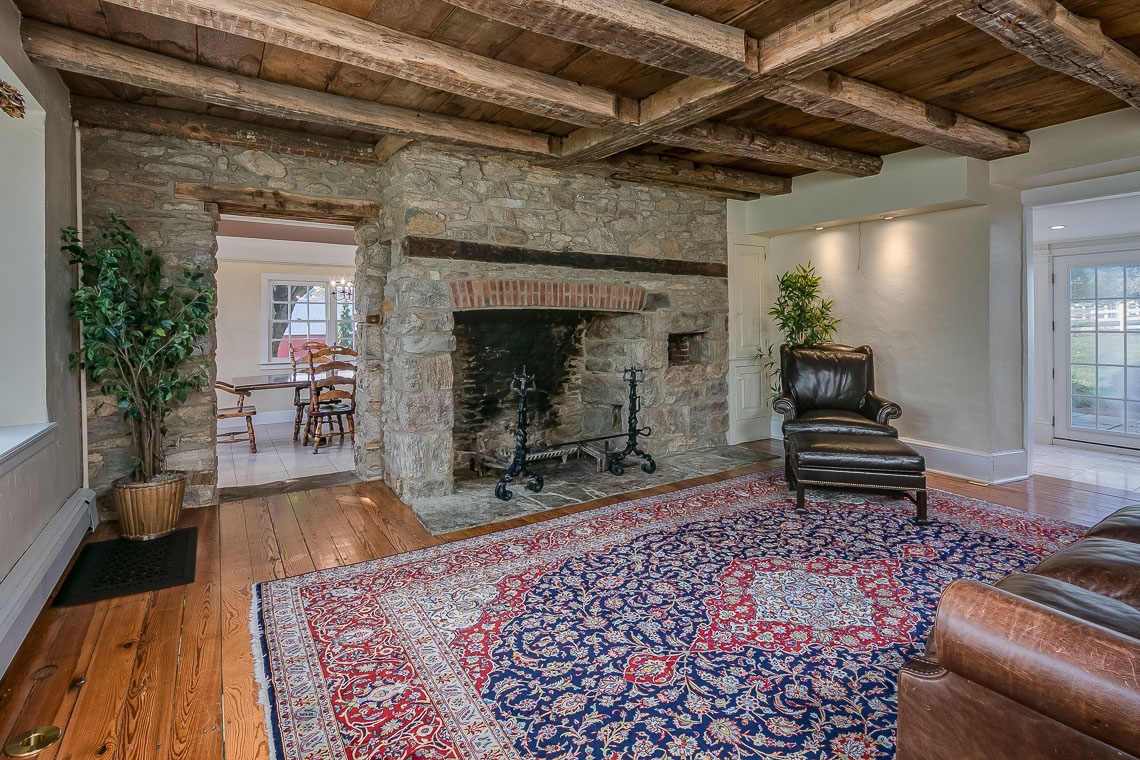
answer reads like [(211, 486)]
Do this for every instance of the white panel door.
[(1097, 348), (748, 412)]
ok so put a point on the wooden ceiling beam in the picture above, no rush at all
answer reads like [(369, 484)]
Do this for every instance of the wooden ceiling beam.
[(842, 30), (847, 29), (277, 204), (1045, 32), (92, 112), (720, 181), (386, 147), (311, 28), (84, 54), (835, 96), (713, 137), (640, 30), (93, 56)]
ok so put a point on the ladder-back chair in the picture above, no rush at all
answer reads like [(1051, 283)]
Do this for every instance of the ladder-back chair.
[(233, 412), (299, 357), (332, 396)]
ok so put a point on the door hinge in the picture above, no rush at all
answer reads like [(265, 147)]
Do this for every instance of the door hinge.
[(1054, 374), (1053, 278), (1054, 423), (1053, 325)]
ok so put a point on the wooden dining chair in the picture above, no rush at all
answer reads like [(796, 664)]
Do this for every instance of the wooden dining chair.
[(332, 401), (232, 412), (299, 356)]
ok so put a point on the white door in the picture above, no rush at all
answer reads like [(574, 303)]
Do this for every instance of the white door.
[(1097, 348), (749, 417)]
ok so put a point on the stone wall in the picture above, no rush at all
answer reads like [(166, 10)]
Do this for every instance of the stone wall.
[(404, 394), (500, 199), (134, 174)]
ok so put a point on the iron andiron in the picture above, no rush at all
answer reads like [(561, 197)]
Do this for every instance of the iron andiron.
[(633, 376), (523, 384)]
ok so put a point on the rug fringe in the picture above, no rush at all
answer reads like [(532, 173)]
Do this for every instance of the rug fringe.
[(260, 651)]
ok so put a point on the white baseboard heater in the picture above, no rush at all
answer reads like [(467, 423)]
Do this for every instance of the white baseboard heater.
[(28, 585)]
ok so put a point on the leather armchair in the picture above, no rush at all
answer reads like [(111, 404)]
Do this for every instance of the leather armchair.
[(1042, 665), (831, 389)]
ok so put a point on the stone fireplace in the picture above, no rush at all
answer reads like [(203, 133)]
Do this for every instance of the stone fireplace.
[(483, 264)]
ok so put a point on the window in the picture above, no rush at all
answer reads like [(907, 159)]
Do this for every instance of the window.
[(300, 309)]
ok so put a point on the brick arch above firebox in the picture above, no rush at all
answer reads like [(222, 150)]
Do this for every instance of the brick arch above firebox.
[(545, 294)]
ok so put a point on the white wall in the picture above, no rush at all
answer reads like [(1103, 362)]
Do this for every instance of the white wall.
[(33, 493), (239, 307), (915, 289), (23, 386)]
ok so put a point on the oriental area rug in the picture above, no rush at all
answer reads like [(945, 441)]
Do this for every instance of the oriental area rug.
[(702, 624)]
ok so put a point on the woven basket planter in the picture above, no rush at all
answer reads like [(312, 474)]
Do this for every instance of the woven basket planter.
[(150, 510)]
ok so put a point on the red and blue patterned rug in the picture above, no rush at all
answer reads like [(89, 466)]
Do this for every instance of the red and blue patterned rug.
[(703, 624)]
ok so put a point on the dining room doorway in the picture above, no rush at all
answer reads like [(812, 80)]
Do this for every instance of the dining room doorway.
[(283, 287)]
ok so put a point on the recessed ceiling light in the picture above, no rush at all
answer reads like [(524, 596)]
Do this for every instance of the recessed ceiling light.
[(1057, 227), (819, 228), (889, 217)]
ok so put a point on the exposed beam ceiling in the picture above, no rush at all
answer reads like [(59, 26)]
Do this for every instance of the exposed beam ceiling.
[(846, 29), (715, 137), (665, 170), (93, 56), (654, 170), (1051, 36), (161, 121), (834, 96), (311, 28), (315, 29), (636, 29), (842, 30)]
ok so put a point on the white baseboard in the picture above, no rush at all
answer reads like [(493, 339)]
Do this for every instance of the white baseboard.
[(998, 467), (261, 418), (979, 466), (28, 585)]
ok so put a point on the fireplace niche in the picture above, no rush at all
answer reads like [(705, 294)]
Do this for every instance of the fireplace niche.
[(491, 346)]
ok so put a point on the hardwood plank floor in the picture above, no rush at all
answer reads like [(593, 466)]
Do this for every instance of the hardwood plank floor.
[(169, 674)]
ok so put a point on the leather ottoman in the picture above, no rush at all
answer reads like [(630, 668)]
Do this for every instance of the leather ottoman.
[(860, 461)]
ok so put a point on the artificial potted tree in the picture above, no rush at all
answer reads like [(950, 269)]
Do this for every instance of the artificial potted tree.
[(140, 331), (802, 314)]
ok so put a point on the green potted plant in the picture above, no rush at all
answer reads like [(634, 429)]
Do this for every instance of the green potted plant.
[(803, 316), (139, 335)]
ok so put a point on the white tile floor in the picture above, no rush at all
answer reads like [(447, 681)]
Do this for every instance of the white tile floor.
[(1101, 467), (278, 458)]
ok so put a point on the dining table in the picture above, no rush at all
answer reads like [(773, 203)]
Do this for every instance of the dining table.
[(272, 380)]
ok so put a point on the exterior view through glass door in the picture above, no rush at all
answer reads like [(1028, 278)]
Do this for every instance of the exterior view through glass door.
[(1097, 348)]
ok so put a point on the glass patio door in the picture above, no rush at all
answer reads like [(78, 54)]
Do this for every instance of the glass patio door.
[(1097, 348)]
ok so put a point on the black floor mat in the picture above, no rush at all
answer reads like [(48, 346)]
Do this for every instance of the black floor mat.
[(107, 569)]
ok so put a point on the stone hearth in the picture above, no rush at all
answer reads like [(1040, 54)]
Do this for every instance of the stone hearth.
[(473, 504)]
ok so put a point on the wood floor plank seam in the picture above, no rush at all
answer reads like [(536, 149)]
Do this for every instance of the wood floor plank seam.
[(89, 694)]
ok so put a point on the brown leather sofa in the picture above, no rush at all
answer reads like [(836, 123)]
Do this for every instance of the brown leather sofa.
[(1045, 664), (830, 389)]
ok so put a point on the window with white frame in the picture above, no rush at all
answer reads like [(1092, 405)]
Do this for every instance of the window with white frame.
[(298, 309)]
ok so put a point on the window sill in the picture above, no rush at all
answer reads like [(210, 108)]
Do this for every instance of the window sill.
[(276, 367), (20, 442)]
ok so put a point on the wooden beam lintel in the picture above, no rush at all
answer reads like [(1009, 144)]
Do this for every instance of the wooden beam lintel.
[(278, 204)]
